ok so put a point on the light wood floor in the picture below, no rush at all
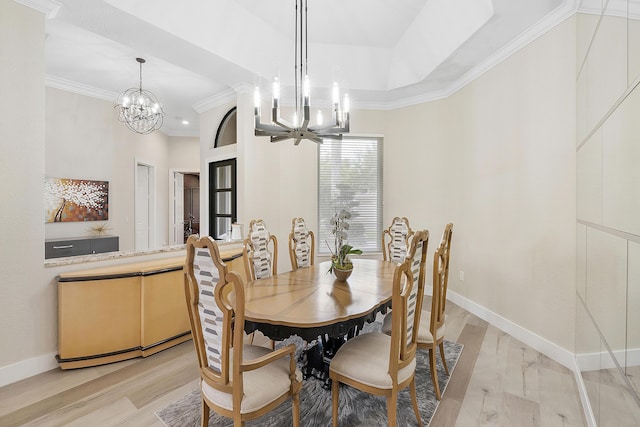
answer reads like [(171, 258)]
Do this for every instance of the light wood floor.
[(498, 381)]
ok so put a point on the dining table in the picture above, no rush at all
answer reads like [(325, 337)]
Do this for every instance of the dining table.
[(311, 302)]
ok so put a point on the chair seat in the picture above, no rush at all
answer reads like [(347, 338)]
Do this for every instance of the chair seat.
[(261, 386), (365, 358), (424, 334)]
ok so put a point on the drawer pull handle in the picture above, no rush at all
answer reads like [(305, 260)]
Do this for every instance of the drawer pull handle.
[(63, 247)]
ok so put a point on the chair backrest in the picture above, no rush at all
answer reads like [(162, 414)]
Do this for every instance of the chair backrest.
[(439, 293), (446, 242), (210, 313), (260, 260), (408, 293), (301, 244), (395, 240)]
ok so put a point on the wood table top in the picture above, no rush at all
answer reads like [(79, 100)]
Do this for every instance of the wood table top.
[(311, 297)]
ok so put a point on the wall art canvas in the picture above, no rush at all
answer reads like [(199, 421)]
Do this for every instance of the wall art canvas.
[(73, 200)]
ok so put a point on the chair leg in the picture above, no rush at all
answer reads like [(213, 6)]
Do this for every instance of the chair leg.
[(392, 401), (204, 414), (434, 372), (334, 401), (296, 408), (414, 400), (444, 361)]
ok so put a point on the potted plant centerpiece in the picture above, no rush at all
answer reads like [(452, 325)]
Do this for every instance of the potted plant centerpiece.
[(341, 265)]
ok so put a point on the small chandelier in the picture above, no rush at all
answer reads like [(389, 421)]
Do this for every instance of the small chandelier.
[(299, 129), (139, 109)]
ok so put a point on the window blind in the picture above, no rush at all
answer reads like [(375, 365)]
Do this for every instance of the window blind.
[(350, 176)]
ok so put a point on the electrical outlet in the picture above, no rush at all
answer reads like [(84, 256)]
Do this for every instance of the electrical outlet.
[(461, 276)]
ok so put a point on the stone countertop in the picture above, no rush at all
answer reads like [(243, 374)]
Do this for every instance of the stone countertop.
[(81, 259)]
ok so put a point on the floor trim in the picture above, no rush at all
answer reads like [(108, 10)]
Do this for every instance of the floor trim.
[(549, 349), (544, 346), (27, 368)]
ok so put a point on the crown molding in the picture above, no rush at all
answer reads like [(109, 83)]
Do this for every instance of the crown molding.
[(171, 131), (79, 88), (214, 101), (48, 7), (567, 9)]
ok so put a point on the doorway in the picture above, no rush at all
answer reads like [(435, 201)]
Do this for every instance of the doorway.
[(185, 206)]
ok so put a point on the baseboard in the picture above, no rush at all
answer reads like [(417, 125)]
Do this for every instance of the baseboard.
[(549, 349), (603, 360), (27, 368)]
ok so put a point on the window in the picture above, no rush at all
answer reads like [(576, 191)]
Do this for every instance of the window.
[(227, 133), (350, 175)]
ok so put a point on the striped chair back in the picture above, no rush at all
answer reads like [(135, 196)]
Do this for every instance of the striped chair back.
[(301, 244), (261, 260), (211, 319), (395, 240)]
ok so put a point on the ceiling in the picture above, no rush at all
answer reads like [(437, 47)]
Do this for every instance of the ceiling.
[(385, 53)]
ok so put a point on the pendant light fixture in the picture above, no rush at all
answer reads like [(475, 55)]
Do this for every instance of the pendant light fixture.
[(139, 109), (300, 127)]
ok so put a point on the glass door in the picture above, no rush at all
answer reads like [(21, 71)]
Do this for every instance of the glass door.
[(222, 198)]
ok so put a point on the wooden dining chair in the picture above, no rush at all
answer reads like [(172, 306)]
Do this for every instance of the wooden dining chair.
[(260, 251), (432, 323), (431, 335), (301, 244), (238, 381), (383, 364), (395, 240)]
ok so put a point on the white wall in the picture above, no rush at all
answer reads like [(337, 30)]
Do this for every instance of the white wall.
[(27, 298), (497, 160)]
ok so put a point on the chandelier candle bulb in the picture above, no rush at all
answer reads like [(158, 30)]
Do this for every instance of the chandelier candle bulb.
[(306, 91), (319, 118), (335, 95), (276, 93), (256, 102)]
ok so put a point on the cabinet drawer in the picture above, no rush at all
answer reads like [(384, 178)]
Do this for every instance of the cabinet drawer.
[(104, 244), (62, 248)]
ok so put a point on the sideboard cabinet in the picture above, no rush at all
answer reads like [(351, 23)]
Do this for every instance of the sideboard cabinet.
[(121, 312)]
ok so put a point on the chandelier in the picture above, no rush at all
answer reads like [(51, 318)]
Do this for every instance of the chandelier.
[(139, 109), (299, 128)]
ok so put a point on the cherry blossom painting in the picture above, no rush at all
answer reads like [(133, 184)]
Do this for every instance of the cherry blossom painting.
[(71, 200)]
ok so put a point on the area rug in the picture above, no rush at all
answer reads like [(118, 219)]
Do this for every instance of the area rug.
[(356, 408)]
